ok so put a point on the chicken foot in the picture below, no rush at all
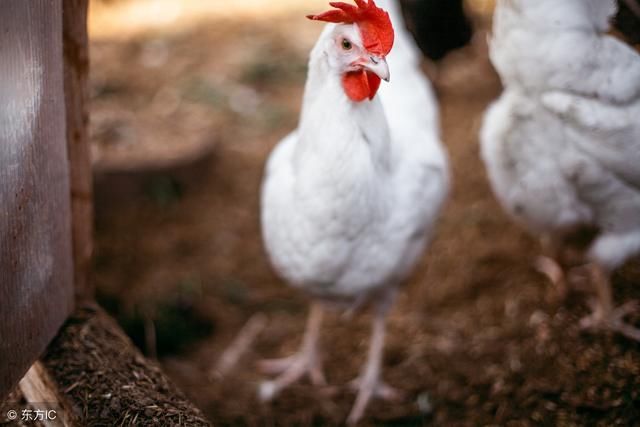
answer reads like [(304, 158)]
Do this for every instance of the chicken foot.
[(604, 315), (293, 368)]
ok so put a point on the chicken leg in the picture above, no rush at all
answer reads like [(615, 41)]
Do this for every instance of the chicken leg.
[(369, 384), (305, 362), (550, 265), (604, 315)]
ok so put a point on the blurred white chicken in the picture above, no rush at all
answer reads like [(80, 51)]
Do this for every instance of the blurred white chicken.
[(562, 144), (350, 198)]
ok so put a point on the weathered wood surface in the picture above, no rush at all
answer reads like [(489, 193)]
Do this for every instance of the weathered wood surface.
[(76, 72), (36, 270)]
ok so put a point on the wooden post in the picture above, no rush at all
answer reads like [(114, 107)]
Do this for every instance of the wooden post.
[(36, 271), (76, 71)]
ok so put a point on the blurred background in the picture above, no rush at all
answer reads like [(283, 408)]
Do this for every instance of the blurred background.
[(187, 99)]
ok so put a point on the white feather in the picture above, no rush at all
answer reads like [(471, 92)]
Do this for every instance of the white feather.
[(562, 144), (350, 198), (559, 45)]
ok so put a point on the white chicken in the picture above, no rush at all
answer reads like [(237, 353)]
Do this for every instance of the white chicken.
[(350, 198), (562, 143)]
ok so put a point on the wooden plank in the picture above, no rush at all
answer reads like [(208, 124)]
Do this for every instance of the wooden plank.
[(40, 390), (76, 72), (36, 272)]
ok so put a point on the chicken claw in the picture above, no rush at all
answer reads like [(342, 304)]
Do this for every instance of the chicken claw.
[(291, 369), (614, 320), (604, 315)]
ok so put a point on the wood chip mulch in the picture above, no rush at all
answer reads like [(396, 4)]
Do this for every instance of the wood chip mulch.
[(108, 382)]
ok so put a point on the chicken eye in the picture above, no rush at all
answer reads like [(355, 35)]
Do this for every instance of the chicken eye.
[(346, 44)]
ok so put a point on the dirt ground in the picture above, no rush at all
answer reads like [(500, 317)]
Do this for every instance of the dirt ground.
[(476, 338)]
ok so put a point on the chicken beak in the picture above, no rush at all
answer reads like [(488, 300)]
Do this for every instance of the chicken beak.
[(377, 65)]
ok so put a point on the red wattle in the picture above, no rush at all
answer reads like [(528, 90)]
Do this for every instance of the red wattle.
[(374, 84), (360, 85)]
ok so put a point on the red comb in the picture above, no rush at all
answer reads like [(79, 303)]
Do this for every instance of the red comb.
[(374, 23)]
